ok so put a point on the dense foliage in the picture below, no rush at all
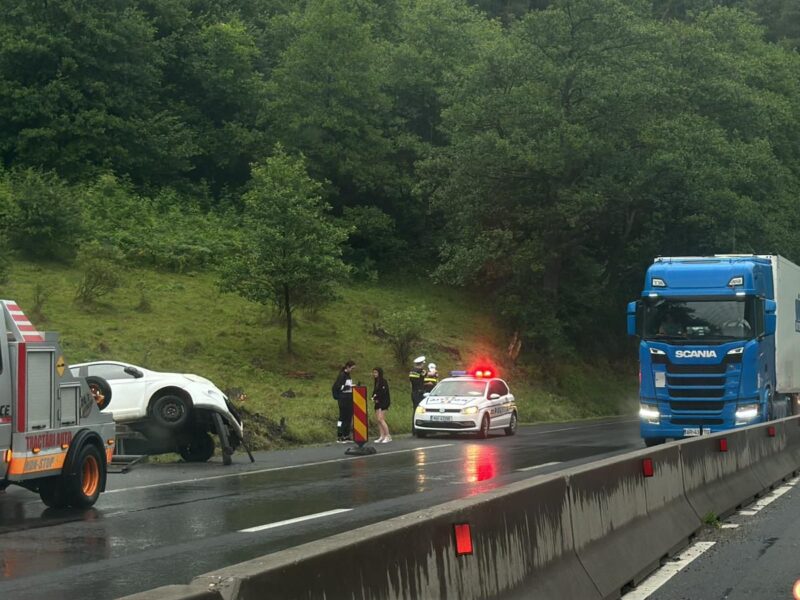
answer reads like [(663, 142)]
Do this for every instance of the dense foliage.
[(538, 151)]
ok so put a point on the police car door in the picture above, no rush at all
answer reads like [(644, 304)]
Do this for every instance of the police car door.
[(497, 398)]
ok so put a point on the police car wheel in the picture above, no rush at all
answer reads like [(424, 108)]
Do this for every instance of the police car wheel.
[(483, 433), (421, 434), (512, 425)]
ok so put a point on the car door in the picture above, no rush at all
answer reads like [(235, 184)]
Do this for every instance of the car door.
[(500, 413), (127, 392)]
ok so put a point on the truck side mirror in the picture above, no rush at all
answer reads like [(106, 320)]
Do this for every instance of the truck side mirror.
[(770, 317), (633, 310)]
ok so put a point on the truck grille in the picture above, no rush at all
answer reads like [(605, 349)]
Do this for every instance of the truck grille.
[(682, 405), (697, 369), (696, 381), (697, 393), (696, 421)]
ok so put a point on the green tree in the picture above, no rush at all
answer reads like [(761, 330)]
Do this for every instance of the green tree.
[(290, 254)]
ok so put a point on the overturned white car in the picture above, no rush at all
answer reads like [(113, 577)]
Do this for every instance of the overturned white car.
[(173, 412)]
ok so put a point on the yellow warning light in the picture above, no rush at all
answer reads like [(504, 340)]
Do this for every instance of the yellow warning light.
[(8, 456), (110, 442), (36, 450)]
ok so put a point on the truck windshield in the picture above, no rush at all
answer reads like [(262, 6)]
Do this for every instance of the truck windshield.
[(700, 320)]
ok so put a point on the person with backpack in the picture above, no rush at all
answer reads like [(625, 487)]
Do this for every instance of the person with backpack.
[(342, 392)]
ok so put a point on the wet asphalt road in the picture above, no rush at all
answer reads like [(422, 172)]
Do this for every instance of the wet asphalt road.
[(166, 523), (757, 560)]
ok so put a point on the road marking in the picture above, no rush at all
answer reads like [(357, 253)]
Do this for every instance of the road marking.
[(270, 470), (547, 464), (668, 571), (327, 513), (636, 420), (729, 526), (767, 500)]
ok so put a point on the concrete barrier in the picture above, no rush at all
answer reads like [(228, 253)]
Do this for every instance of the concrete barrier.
[(623, 522), (717, 482), (583, 533)]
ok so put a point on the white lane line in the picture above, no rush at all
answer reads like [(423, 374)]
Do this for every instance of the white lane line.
[(270, 470), (668, 571), (767, 500), (327, 513), (612, 423), (547, 464), (729, 526)]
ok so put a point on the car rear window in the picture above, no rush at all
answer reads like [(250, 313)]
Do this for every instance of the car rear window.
[(460, 388)]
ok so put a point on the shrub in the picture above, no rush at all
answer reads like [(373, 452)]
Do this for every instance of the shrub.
[(101, 275), (403, 331)]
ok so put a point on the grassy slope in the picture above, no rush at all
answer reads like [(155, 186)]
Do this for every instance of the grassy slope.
[(194, 328)]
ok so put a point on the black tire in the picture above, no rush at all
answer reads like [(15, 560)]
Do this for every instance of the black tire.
[(79, 487), (101, 391), (420, 434), (512, 425), (483, 432), (51, 491), (199, 449), (87, 479), (170, 411), (650, 442)]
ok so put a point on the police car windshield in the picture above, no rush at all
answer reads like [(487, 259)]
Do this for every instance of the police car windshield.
[(460, 388), (701, 320)]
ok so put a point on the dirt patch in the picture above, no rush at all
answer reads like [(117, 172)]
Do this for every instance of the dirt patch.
[(263, 433)]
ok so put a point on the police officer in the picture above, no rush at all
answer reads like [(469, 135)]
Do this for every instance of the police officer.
[(431, 379), (417, 378)]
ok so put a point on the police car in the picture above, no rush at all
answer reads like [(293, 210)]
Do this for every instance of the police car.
[(474, 402)]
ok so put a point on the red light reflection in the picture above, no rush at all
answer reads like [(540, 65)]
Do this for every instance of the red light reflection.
[(480, 463)]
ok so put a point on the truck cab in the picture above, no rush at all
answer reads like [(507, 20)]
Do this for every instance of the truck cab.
[(707, 345)]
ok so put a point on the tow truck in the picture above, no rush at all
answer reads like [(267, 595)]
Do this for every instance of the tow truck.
[(54, 440)]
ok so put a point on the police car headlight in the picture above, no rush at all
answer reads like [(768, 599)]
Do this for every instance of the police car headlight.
[(420, 410), (470, 410)]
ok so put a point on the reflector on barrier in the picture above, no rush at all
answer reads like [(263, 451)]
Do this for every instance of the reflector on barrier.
[(647, 467), (723, 444), (771, 431), (463, 539)]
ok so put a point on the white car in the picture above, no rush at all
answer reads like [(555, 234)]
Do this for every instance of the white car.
[(470, 403), (173, 411)]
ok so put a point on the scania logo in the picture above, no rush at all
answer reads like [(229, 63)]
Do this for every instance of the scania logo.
[(441, 410), (695, 354)]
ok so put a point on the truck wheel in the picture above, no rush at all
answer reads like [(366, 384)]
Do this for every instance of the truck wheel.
[(512, 425), (483, 433), (199, 449), (101, 391), (170, 411), (650, 442), (84, 485), (51, 491)]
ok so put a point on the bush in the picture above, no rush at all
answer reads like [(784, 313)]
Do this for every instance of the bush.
[(404, 331), (45, 219), (101, 275)]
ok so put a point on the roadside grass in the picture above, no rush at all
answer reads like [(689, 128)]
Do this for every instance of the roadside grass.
[(184, 323)]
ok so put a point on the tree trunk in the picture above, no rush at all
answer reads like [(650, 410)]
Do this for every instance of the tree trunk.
[(287, 307)]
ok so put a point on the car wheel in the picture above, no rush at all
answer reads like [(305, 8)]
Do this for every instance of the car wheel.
[(421, 434), (101, 391), (483, 433), (170, 411), (199, 449), (512, 425)]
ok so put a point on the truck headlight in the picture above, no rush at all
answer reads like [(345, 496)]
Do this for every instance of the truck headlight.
[(420, 410), (649, 413), (745, 413), (470, 410)]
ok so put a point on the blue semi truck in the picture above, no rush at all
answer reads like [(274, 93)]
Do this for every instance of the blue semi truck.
[(719, 344)]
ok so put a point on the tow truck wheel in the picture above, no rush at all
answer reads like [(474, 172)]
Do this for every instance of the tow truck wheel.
[(84, 484), (199, 449), (170, 411), (512, 425), (483, 433), (51, 491)]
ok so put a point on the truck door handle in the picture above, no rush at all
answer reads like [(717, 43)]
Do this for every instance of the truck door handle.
[(39, 427)]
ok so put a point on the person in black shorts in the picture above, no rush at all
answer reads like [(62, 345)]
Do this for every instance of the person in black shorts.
[(380, 396)]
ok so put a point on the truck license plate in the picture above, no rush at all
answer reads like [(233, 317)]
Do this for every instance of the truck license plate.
[(695, 431), (441, 418)]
